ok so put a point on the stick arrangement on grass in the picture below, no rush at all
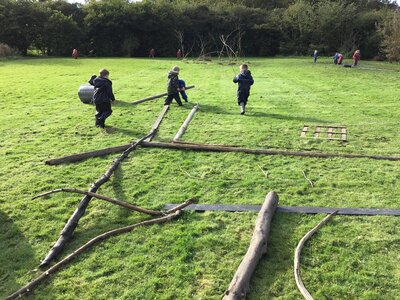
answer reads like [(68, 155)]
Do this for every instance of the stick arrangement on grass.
[(157, 96)]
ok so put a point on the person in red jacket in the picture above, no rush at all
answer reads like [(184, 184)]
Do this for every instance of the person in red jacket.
[(340, 59), (152, 53), (356, 57), (179, 54), (75, 54)]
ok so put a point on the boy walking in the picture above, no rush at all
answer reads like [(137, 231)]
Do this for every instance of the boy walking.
[(173, 87), (182, 88), (102, 97), (244, 81)]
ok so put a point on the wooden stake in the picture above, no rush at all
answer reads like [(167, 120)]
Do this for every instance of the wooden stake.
[(108, 199), (157, 123), (176, 212), (297, 255), (157, 96), (185, 124), (72, 222), (239, 285)]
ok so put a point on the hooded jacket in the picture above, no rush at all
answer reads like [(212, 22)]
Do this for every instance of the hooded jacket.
[(102, 90), (173, 82), (245, 81)]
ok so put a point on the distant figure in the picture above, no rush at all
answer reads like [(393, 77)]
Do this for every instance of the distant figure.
[(336, 58), (182, 88), (340, 58), (244, 81), (179, 54), (152, 53), (356, 58), (102, 97), (173, 87), (315, 55), (75, 54)]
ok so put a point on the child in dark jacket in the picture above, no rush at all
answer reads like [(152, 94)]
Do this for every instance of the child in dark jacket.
[(244, 81), (182, 88), (102, 97), (173, 87)]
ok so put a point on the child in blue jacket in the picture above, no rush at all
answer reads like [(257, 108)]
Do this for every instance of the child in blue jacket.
[(244, 81), (182, 88)]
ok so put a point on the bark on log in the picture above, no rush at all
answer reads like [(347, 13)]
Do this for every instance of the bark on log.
[(30, 286), (71, 224), (297, 255), (105, 198), (157, 96), (212, 148), (239, 285), (157, 123), (185, 124)]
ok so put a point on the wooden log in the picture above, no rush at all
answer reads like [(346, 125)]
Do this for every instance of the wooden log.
[(239, 285), (157, 123), (105, 198), (72, 222), (297, 254), (185, 124), (158, 96), (30, 286)]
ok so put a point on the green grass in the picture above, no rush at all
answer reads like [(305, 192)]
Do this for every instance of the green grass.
[(196, 256)]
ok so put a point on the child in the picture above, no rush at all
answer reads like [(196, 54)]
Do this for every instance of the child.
[(340, 58), (245, 81), (102, 97), (315, 56), (173, 87), (75, 54), (356, 57), (182, 88), (336, 58)]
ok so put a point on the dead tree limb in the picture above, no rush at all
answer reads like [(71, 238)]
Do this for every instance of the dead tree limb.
[(185, 124), (239, 285), (105, 198), (157, 96), (297, 254), (175, 212), (308, 179), (71, 224), (157, 123)]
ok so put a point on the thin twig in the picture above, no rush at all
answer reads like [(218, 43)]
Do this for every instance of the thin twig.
[(264, 172), (297, 254), (105, 198), (305, 176)]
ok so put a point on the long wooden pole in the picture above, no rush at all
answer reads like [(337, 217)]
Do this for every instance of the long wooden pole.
[(72, 222), (239, 285), (157, 123), (158, 96), (297, 276), (185, 124)]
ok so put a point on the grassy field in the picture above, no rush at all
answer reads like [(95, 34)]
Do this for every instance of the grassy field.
[(196, 256)]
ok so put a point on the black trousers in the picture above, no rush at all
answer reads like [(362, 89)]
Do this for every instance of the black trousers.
[(103, 111), (242, 97), (169, 99)]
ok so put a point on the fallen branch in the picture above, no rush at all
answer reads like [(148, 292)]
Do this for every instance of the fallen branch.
[(239, 285), (105, 198), (72, 222), (157, 123), (185, 124), (297, 254), (175, 212), (309, 180), (264, 172), (158, 96)]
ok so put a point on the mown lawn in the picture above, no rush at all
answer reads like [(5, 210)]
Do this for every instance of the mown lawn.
[(196, 256)]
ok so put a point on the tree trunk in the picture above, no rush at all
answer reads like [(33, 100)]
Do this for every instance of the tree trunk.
[(239, 285), (185, 124), (157, 123), (157, 96)]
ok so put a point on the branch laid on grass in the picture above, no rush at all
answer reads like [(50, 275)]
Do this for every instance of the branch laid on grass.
[(239, 285), (157, 123), (105, 198), (185, 124), (174, 213), (213, 148), (297, 254), (264, 172), (309, 180), (157, 96), (72, 222)]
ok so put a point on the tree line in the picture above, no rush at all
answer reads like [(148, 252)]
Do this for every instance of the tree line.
[(202, 28)]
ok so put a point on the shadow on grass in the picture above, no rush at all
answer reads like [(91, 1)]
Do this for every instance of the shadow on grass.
[(119, 192), (16, 256)]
